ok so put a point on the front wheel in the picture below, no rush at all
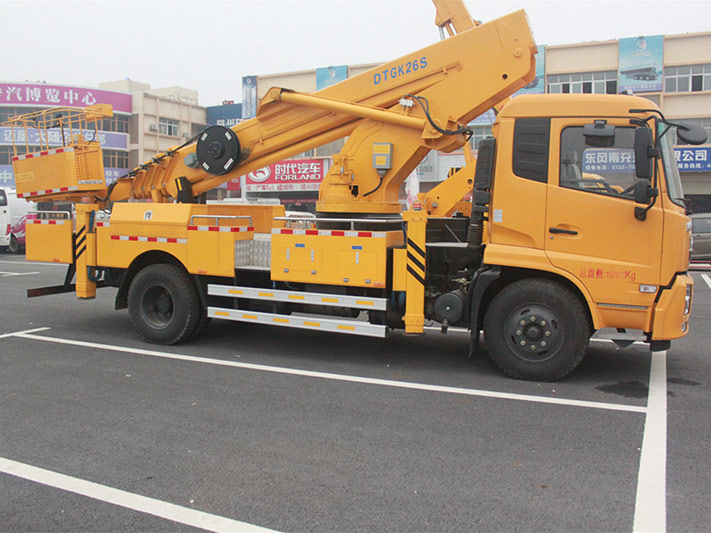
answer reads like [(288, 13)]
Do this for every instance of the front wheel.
[(163, 304), (537, 330)]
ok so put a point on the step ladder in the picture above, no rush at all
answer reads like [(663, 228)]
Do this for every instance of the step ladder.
[(334, 325)]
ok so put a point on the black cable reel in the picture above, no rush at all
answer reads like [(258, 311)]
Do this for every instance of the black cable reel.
[(218, 150)]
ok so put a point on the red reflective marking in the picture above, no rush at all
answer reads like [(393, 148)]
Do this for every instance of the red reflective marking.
[(338, 233), (172, 240), (63, 189), (365, 234), (192, 228), (213, 228), (311, 232), (287, 231), (34, 193), (115, 237), (15, 158), (132, 238), (152, 239), (44, 152)]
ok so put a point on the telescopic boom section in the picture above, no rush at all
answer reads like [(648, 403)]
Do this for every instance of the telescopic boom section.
[(456, 79)]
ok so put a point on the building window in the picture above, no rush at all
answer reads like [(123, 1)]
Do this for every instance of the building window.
[(480, 133), (690, 78), (115, 159), (703, 122), (584, 83), (7, 153), (117, 123), (168, 126)]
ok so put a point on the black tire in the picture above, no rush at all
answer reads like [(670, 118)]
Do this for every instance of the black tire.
[(537, 330), (163, 304), (14, 246)]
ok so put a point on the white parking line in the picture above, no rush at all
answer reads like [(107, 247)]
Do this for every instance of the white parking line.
[(129, 500), (342, 377), (650, 512), (9, 274), (21, 332), (707, 280)]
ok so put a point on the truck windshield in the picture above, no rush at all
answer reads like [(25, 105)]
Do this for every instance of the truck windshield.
[(671, 170)]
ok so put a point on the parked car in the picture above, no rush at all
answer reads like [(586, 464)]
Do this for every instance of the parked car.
[(701, 232)]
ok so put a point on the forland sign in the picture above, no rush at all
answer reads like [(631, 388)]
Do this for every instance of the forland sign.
[(291, 175)]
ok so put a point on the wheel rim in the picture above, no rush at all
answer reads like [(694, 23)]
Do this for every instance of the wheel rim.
[(534, 332), (157, 306)]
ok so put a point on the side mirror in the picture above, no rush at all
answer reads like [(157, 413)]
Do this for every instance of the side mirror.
[(644, 192), (600, 134), (643, 160), (691, 133)]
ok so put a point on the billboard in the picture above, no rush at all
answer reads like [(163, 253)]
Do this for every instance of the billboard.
[(249, 96), (227, 115), (327, 76), (40, 94), (693, 158), (107, 139), (641, 64), (290, 175)]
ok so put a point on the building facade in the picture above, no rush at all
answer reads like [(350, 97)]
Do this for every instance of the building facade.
[(160, 118), (18, 98), (673, 71)]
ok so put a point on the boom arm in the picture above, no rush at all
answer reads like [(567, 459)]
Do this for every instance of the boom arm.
[(456, 80)]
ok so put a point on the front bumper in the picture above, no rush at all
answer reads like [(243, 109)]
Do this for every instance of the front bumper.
[(671, 313)]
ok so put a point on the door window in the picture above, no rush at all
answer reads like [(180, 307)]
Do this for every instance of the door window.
[(3, 199), (608, 170)]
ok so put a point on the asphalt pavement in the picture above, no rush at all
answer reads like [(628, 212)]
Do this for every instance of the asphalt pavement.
[(251, 427)]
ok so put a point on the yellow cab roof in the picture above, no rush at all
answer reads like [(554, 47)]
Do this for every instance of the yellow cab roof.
[(577, 105)]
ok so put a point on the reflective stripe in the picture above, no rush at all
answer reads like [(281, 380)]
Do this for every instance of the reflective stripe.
[(329, 233), (227, 229), (46, 152), (47, 191), (51, 222), (169, 240)]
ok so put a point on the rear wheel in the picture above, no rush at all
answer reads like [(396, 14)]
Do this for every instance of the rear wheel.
[(14, 246), (163, 304), (536, 330)]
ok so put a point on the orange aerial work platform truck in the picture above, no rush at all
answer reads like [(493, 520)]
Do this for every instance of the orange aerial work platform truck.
[(576, 222)]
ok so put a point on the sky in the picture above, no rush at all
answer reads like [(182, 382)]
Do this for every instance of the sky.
[(209, 46)]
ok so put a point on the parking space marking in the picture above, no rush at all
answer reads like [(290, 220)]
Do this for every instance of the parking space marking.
[(342, 377), (707, 280), (651, 506), (8, 274), (35, 330), (122, 498)]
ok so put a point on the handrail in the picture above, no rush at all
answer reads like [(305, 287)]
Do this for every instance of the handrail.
[(217, 217), (67, 214), (351, 221)]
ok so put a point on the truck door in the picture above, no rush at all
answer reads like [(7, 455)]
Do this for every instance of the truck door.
[(591, 229)]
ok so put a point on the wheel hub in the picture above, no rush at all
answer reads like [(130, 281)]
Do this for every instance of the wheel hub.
[(534, 331)]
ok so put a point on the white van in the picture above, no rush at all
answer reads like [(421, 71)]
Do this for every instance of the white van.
[(5, 221), (14, 212)]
